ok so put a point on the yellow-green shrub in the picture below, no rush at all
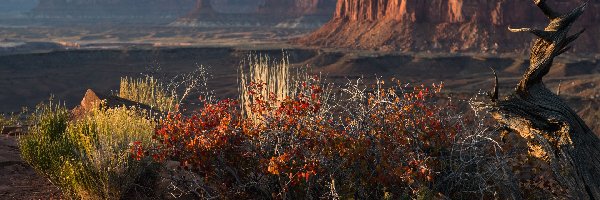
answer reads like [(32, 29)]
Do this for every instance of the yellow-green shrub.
[(46, 147), (88, 157)]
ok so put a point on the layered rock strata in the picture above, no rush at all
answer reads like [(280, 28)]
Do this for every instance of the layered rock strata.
[(443, 25)]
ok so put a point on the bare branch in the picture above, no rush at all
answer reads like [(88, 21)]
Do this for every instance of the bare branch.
[(494, 93), (566, 20), (546, 35)]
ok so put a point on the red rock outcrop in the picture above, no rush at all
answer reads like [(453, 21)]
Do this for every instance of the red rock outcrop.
[(443, 25)]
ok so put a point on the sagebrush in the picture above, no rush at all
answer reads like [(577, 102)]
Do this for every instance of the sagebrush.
[(88, 157)]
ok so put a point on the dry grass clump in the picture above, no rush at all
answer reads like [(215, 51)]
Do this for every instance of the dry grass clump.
[(147, 90), (272, 76), (89, 157)]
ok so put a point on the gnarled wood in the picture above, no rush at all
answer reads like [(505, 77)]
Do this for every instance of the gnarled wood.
[(551, 127)]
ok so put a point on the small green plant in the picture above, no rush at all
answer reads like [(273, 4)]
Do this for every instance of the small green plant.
[(147, 90), (89, 157)]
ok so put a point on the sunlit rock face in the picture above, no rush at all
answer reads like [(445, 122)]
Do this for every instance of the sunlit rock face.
[(444, 25), (114, 8), (281, 13)]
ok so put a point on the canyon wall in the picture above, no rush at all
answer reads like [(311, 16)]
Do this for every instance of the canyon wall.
[(444, 25)]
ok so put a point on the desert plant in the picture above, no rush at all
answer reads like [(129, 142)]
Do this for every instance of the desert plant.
[(147, 90), (88, 157), (273, 76), (47, 147), (163, 92)]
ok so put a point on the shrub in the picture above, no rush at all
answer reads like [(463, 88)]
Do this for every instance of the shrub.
[(46, 148), (89, 157)]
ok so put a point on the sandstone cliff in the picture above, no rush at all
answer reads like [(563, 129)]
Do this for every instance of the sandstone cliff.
[(443, 25)]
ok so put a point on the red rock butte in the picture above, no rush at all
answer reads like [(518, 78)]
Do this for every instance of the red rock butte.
[(445, 25)]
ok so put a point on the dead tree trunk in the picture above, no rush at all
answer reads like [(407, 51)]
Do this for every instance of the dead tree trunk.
[(554, 131)]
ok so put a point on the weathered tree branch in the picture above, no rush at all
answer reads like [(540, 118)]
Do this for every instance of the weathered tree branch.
[(566, 143)]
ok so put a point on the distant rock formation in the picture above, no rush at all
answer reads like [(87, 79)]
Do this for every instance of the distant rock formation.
[(442, 25), (259, 12), (267, 7), (202, 7), (113, 8)]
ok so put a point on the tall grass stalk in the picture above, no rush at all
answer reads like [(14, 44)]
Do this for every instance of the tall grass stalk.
[(273, 76)]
